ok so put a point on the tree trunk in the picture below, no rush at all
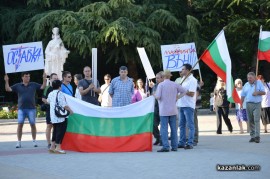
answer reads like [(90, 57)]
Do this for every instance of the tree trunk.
[(132, 69)]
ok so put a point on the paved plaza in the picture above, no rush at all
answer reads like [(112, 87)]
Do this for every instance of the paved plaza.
[(201, 162)]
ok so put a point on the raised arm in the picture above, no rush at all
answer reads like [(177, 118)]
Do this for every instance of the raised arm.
[(7, 87), (44, 76)]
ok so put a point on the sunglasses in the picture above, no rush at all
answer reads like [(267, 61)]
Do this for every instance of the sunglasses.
[(106, 79)]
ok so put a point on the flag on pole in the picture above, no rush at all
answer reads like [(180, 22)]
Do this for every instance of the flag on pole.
[(217, 57), (93, 128), (264, 46)]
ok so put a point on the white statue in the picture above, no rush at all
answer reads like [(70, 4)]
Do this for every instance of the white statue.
[(55, 54)]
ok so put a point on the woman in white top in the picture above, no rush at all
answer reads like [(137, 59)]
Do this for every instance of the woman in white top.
[(106, 99), (265, 110), (140, 88), (241, 114), (221, 106), (59, 124), (77, 78)]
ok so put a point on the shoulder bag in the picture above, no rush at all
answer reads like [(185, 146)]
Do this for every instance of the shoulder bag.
[(59, 110), (100, 96)]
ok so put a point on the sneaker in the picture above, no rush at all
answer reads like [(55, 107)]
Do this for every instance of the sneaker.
[(35, 143), (188, 147), (180, 146), (18, 145), (252, 140), (163, 150), (49, 146), (156, 142), (257, 139)]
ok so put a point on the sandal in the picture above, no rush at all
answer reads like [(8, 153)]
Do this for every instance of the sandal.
[(59, 151), (51, 151)]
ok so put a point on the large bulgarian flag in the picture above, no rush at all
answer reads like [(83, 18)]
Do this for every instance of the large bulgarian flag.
[(264, 46), (120, 129), (217, 57)]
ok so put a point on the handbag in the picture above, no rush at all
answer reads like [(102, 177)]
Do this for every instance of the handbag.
[(219, 101), (59, 110)]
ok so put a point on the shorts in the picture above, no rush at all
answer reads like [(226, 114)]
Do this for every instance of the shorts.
[(241, 115), (29, 113)]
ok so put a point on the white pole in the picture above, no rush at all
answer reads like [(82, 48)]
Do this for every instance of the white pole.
[(94, 66)]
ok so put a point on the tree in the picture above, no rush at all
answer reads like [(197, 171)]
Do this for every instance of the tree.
[(241, 20)]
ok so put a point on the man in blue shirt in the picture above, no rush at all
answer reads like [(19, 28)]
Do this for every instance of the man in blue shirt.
[(121, 89), (26, 91), (66, 86), (252, 93)]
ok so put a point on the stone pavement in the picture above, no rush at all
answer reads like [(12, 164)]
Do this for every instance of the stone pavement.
[(227, 149)]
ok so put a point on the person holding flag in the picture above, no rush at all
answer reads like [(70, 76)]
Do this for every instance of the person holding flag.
[(186, 106), (252, 93)]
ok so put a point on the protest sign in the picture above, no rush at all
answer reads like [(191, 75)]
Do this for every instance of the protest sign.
[(146, 64), (176, 55), (23, 57)]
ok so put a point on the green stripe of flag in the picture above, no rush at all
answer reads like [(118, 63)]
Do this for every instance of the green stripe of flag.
[(264, 45), (112, 127), (214, 51)]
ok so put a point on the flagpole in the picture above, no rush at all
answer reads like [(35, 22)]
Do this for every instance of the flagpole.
[(191, 71), (257, 64), (200, 74)]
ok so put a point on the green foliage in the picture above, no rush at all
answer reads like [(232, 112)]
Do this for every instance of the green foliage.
[(8, 115), (120, 30), (13, 113), (117, 27), (164, 17)]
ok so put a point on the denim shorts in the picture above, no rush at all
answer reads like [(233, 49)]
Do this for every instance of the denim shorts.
[(29, 113)]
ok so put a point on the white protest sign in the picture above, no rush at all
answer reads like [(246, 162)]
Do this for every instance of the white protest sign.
[(146, 64), (176, 55), (23, 57)]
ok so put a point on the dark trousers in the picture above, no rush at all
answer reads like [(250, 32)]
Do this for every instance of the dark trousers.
[(223, 112), (156, 123), (59, 130)]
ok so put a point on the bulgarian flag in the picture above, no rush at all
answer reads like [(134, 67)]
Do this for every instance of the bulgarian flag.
[(264, 46), (217, 57), (117, 129)]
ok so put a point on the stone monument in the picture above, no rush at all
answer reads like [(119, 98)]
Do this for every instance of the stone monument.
[(55, 54)]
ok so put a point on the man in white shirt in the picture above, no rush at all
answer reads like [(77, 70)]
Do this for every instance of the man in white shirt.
[(186, 105)]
